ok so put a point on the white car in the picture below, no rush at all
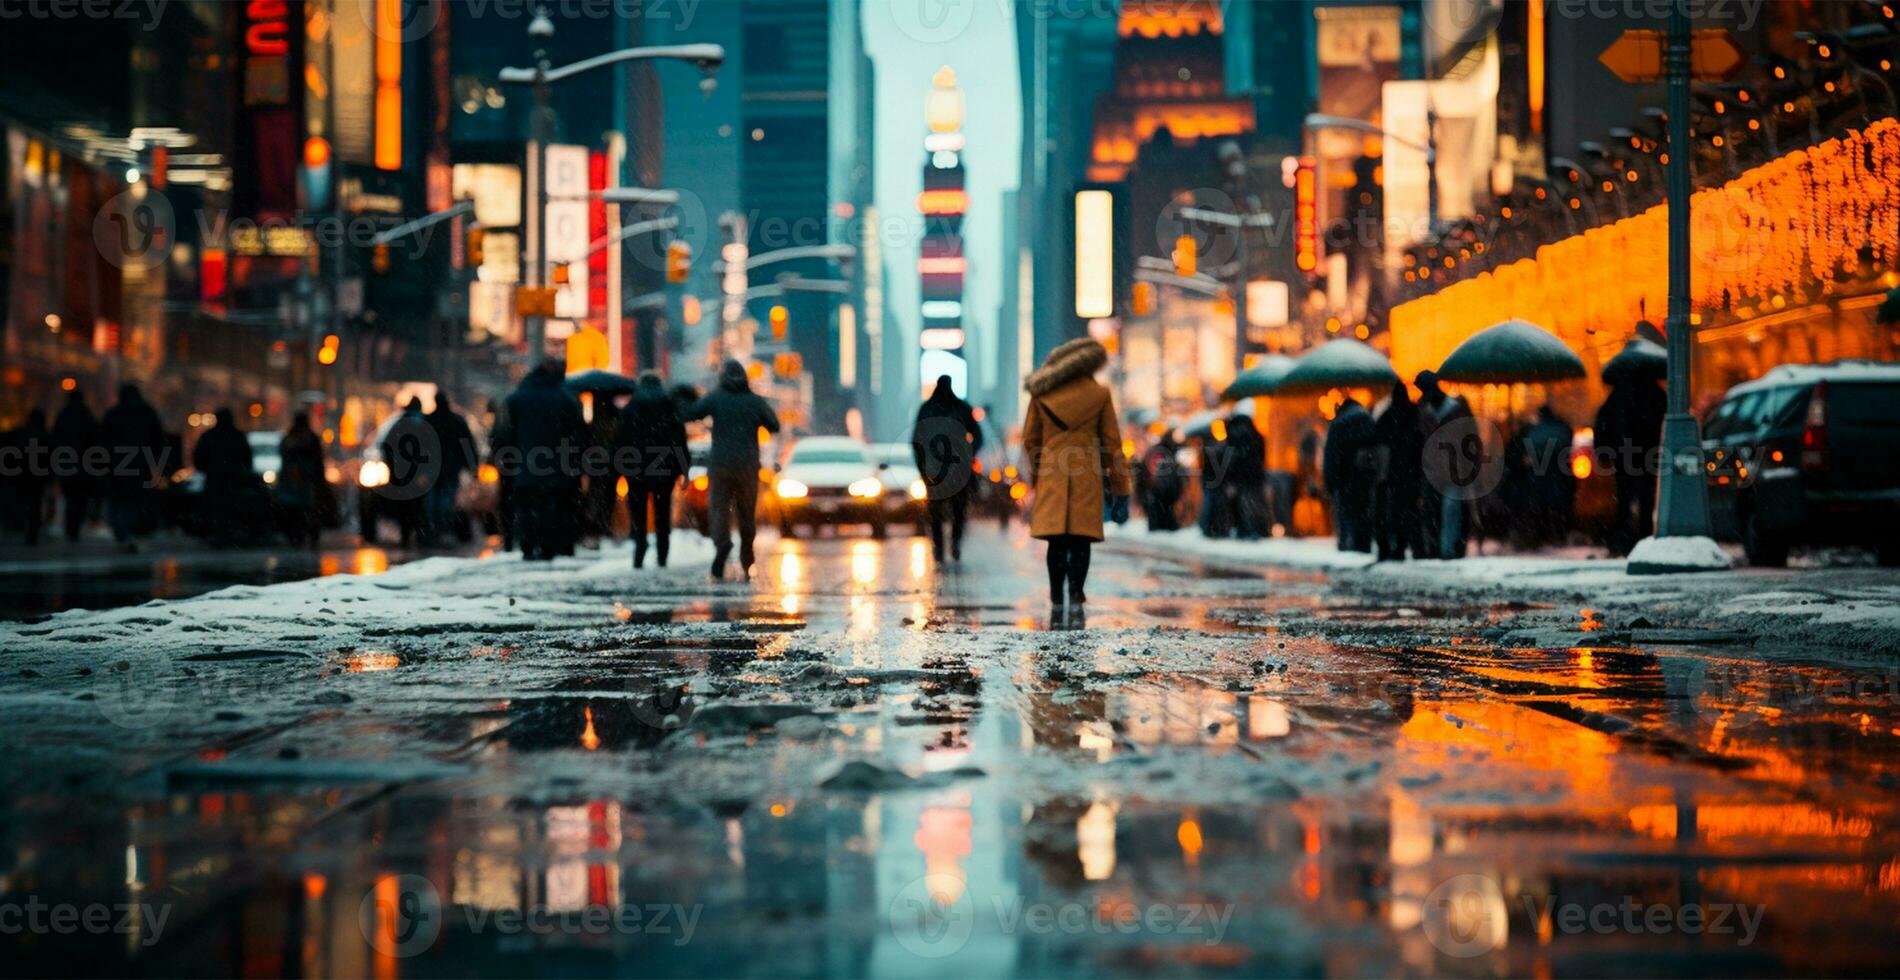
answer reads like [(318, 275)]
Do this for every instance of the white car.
[(829, 480), (904, 491)]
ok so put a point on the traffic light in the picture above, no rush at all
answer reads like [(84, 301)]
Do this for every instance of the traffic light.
[(1142, 301), (780, 319), (679, 260), (475, 236), (380, 259), (560, 274), (1185, 256)]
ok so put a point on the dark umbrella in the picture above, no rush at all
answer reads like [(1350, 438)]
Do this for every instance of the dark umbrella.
[(1510, 352), (599, 382), (1342, 363), (1261, 379), (1639, 360)]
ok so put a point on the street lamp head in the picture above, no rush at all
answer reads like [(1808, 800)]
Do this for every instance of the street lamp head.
[(541, 27), (708, 84)]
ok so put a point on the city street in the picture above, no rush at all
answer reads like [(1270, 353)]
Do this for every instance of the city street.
[(862, 765)]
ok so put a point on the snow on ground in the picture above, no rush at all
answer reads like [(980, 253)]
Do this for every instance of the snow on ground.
[(1841, 608)]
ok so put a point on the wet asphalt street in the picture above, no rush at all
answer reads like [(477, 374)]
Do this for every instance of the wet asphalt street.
[(860, 765)]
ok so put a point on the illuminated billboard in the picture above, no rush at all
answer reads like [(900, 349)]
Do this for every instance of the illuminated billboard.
[(1094, 254)]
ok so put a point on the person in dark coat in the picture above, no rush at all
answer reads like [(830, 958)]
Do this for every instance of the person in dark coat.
[(1445, 516), (223, 456), (1216, 517), (1629, 439), (1247, 477), (546, 435), (75, 436), (733, 467), (944, 442), (1343, 468), (1162, 483), (301, 486), (457, 446), (137, 445), (1396, 518), (415, 459), (1541, 456), (499, 436), (599, 497), (649, 444), (26, 468)]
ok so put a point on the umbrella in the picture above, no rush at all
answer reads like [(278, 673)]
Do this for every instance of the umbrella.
[(1341, 363), (1639, 360), (1201, 424), (597, 380), (1511, 351), (1142, 416), (1260, 379)]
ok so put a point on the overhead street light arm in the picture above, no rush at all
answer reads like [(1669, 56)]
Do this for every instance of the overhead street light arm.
[(1198, 284), (1260, 220), (763, 259), (1319, 120), (411, 227), (637, 228), (707, 56)]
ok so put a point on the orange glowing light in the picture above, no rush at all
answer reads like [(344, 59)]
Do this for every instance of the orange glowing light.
[(1189, 836), (1581, 467), (68, 384), (389, 35), (1218, 430), (943, 201), (316, 152), (1018, 491), (590, 740), (488, 473)]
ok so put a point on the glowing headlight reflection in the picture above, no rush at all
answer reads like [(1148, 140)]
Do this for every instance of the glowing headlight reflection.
[(868, 488), (792, 489), (917, 490), (375, 473)]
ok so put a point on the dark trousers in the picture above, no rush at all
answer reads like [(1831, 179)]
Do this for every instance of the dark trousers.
[(733, 493), (1160, 510), (543, 521), (660, 495), (1352, 513), (1068, 561), (77, 499), (1250, 510), (31, 499), (952, 510), (1635, 511), (1396, 519)]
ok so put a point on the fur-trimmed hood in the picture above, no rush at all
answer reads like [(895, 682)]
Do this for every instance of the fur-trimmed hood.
[(1077, 358)]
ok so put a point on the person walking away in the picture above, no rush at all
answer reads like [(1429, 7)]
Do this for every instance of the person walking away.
[(457, 447), (1247, 477), (649, 445), (27, 471), (1342, 467), (415, 460), (75, 434), (137, 445), (223, 457), (501, 435), (1550, 491), (944, 442), (1395, 521), (1437, 409), (1629, 436), (733, 467), (600, 496), (548, 433), (1072, 446), (1163, 483), (300, 481), (1216, 517)]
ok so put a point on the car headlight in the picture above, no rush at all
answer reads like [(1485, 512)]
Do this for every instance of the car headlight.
[(270, 476), (869, 488), (375, 473), (792, 489), (918, 491)]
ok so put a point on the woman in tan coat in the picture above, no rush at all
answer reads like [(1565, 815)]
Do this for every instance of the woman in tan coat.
[(1072, 446)]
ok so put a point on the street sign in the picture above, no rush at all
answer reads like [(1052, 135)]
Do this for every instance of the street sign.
[(1715, 55)]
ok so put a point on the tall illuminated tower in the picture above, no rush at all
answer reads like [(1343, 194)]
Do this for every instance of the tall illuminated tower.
[(940, 261)]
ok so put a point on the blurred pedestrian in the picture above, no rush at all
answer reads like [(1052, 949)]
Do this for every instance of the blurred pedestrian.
[(301, 484), (1396, 524), (1072, 446), (1629, 438), (1549, 492), (137, 445), (600, 492), (223, 457), (501, 434), (944, 442), (1346, 468), (414, 456), (457, 447), (1163, 481), (650, 454), (75, 436), (1216, 519), (25, 467), (733, 465), (547, 434), (1247, 477), (1445, 514)]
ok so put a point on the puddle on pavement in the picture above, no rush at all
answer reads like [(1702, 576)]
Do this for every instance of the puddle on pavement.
[(1161, 792)]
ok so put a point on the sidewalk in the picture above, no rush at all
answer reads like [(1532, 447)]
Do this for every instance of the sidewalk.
[(1590, 600)]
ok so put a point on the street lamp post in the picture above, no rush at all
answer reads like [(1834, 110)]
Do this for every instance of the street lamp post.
[(1683, 510), (542, 76)]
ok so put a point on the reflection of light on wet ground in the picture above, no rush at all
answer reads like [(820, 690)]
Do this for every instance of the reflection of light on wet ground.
[(919, 558), (1188, 835), (865, 556), (791, 565), (1266, 719), (589, 739), (329, 565), (362, 663), (1095, 841), (943, 835)]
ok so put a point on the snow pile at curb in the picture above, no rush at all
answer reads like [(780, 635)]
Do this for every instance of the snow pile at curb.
[(1303, 553), (1661, 556)]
